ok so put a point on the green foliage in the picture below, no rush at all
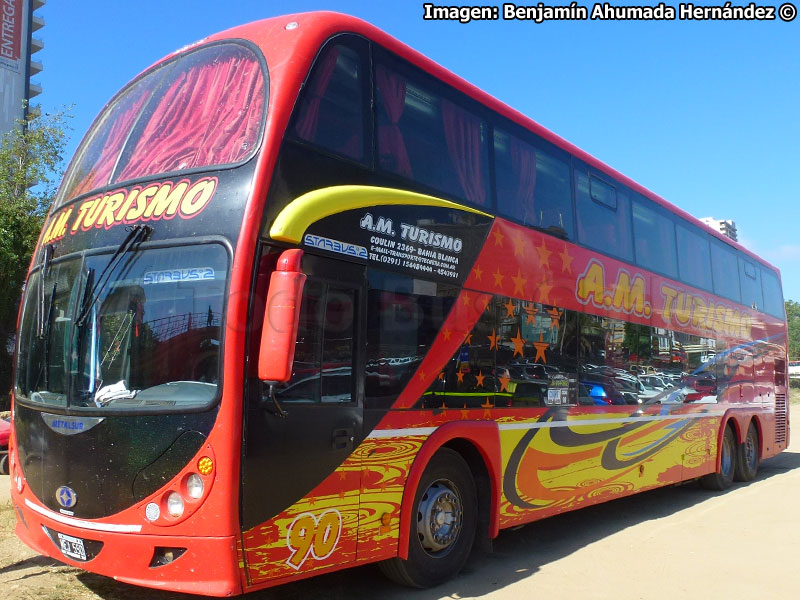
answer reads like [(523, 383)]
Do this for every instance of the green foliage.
[(793, 320), (31, 159)]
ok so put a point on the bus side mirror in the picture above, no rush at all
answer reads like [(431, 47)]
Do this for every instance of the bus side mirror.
[(281, 319)]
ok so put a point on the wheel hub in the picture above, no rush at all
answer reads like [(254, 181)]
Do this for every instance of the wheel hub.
[(439, 517)]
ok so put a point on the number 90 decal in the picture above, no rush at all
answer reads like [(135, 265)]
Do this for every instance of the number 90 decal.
[(313, 536)]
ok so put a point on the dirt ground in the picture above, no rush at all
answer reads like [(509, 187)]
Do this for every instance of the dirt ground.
[(674, 543)]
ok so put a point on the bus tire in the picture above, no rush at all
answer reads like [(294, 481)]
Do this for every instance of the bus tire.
[(722, 479), (443, 526), (747, 457), (4, 464)]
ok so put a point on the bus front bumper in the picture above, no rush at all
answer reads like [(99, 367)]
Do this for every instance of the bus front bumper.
[(194, 565)]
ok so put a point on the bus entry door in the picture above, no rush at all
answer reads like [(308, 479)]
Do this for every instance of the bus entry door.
[(300, 479)]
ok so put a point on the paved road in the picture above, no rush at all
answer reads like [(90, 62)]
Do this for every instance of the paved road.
[(667, 544)]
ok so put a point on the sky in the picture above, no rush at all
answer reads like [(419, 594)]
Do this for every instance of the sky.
[(704, 113)]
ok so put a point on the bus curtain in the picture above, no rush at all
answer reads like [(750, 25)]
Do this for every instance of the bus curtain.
[(523, 165), (391, 145), (109, 140), (209, 114), (462, 131), (308, 118)]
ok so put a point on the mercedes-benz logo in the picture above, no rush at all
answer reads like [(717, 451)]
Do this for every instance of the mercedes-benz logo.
[(66, 496)]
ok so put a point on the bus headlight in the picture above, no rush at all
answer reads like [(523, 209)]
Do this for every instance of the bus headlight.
[(175, 504), (194, 486)]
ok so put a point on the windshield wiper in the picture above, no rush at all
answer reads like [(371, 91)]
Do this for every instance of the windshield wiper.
[(137, 234), (48, 255)]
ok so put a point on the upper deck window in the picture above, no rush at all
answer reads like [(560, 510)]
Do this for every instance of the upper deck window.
[(203, 109), (426, 136), (330, 113), (724, 269), (654, 233), (750, 284), (603, 214), (532, 185), (694, 257), (773, 297)]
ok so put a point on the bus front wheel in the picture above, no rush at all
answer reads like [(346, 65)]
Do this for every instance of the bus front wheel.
[(443, 524), (747, 456), (723, 478)]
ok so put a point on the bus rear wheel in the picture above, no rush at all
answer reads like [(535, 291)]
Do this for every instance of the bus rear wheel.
[(443, 524), (747, 456), (723, 478)]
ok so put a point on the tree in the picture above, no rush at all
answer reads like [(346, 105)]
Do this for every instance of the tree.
[(31, 159), (793, 320)]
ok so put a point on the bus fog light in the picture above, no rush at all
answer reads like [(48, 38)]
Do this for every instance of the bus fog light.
[(205, 465), (194, 486), (175, 504), (152, 511)]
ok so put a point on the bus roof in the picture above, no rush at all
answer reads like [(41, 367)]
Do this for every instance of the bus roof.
[(300, 35)]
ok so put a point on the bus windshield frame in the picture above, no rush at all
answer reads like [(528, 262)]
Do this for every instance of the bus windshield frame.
[(122, 326)]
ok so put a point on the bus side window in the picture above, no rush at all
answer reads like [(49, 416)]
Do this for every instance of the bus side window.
[(532, 185), (654, 233), (331, 108), (750, 280), (603, 214), (724, 270), (425, 133), (773, 297), (694, 257), (323, 359), (404, 315)]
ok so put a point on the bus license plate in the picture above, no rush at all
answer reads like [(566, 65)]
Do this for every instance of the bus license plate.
[(72, 546)]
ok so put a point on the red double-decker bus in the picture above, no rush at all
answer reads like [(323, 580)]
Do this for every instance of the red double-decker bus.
[(307, 300)]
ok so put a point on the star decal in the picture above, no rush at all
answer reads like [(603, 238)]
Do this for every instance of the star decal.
[(540, 346), (519, 283), (498, 278), (479, 379), (478, 273), (504, 383), (422, 375), (555, 318), (460, 376), (544, 291), (466, 299), (493, 340), (519, 343), (488, 404), (530, 311), (519, 244), (566, 260), (468, 339), (509, 308), (447, 334), (498, 238), (544, 255)]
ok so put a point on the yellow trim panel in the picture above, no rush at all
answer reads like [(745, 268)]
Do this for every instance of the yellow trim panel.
[(300, 213)]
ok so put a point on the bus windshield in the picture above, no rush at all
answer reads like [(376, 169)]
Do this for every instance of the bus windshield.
[(203, 109), (150, 340)]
